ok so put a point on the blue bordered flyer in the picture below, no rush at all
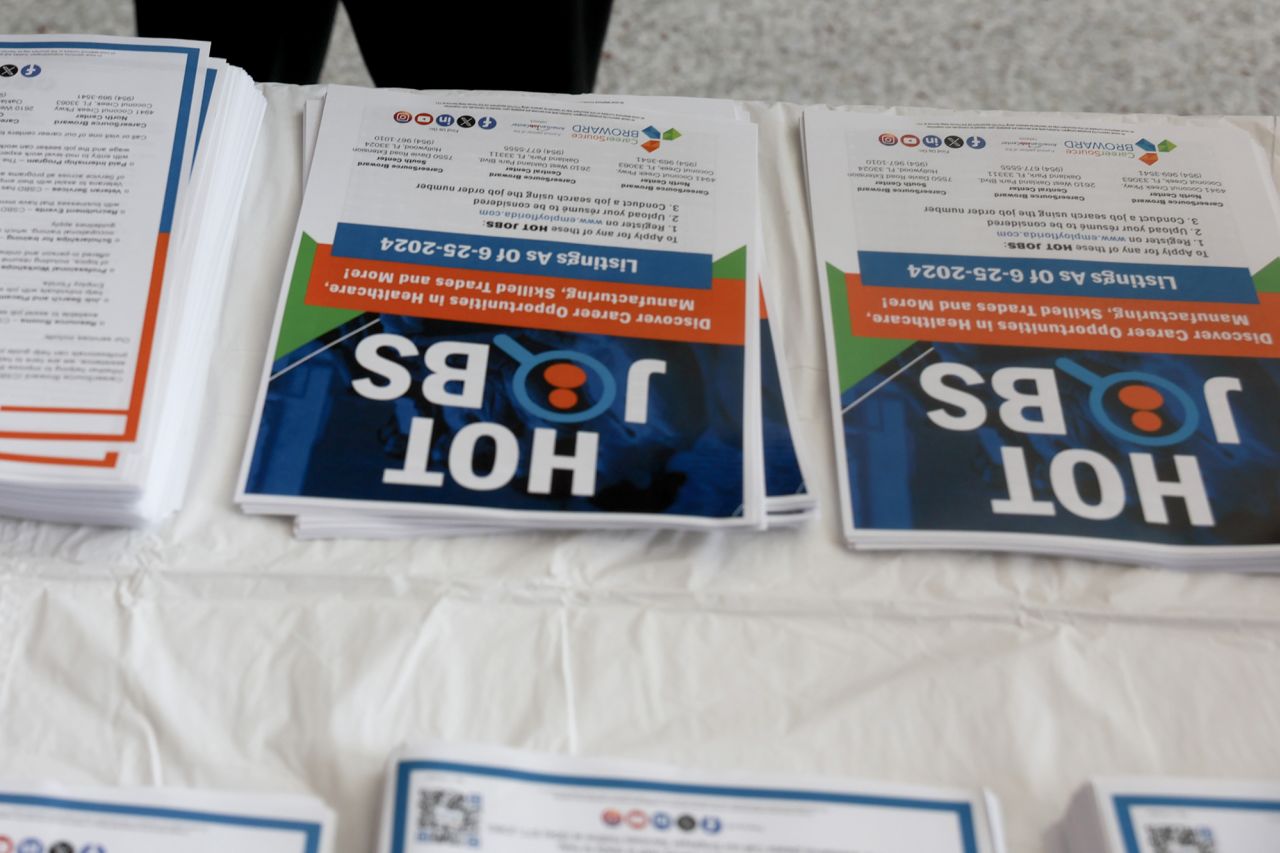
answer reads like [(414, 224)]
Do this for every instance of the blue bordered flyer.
[(101, 133), (1155, 815), (486, 798), (47, 819)]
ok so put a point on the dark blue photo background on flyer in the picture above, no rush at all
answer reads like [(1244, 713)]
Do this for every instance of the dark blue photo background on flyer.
[(908, 472), (320, 438), (782, 476)]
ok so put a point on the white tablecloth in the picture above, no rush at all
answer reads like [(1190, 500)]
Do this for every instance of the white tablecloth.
[(217, 651)]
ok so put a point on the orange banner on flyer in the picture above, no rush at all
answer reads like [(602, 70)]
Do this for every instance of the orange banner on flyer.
[(1066, 322), (715, 315)]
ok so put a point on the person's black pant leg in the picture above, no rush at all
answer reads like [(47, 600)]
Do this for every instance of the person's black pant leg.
[(283, 42), (550, 46)]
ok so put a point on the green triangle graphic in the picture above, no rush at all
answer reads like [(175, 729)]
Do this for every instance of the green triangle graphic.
[(1267, 279), (856, 357), (732, 265), (303, 323)]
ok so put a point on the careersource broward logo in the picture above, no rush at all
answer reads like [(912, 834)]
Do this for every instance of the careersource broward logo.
[(653, 137), (1098, 148)]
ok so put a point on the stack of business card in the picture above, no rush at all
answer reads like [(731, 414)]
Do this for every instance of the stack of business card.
[(1162, 815), (508, 311), (486, 798), (1051, 333), (123, 163)]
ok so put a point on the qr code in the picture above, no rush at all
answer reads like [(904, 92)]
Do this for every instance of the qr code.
[(449, 817), (1181, 839)]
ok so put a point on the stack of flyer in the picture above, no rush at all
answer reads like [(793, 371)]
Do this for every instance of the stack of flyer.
[(485, 798), (123, 163), (56, 819), (1161, 815), (1052, 333), (508, 311)]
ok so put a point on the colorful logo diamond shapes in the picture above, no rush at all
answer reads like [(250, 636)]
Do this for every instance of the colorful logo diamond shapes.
[(656, 136), (1164, 146)]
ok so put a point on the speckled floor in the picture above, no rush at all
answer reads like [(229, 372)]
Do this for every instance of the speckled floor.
[(1182, 56)]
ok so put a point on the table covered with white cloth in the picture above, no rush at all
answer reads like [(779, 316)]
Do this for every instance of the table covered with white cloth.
[(219, 651)]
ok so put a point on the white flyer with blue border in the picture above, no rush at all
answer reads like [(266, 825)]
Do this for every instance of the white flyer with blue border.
[(46, 819), (485, 798), (1165, 815)]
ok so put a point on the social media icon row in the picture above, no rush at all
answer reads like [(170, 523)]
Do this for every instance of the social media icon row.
[(11, 70), (911, 140), (638, 819), (35, 845), (446, 120)]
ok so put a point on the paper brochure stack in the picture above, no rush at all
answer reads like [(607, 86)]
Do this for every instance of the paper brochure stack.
[(509, 311), (487, 798), (1051, 333), (124, 162), (1167, 815)]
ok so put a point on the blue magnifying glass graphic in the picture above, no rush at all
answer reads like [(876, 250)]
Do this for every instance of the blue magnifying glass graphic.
[(529, 362), (1100, 386)]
